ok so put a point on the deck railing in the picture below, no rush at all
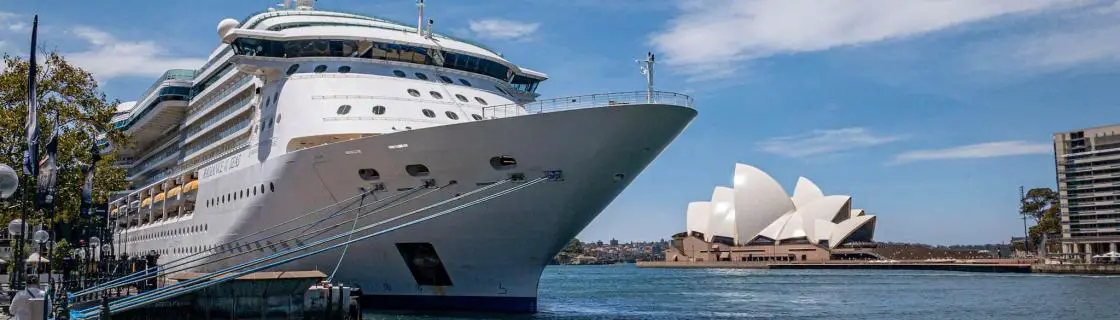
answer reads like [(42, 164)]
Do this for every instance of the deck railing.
[(587, 101)]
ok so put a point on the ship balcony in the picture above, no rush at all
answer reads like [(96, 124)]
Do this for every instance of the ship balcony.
[(588, 101)]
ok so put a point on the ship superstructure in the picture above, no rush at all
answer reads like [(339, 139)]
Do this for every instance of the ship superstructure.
[(301, 109)]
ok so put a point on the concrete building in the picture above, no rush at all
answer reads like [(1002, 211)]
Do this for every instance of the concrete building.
[(1088, 170)]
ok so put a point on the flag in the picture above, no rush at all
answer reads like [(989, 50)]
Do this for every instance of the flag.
[(87, 189), (48, 173), (30, 166)]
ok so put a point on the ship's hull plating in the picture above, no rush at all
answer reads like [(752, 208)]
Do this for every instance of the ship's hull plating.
[(492, 253)]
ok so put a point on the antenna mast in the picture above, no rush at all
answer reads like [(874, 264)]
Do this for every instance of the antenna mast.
[(647, 69)]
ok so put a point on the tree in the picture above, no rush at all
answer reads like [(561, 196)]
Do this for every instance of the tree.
[(82, 111), (1042, 204)]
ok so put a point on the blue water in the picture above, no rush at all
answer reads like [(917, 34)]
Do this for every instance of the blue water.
[(627, 292)]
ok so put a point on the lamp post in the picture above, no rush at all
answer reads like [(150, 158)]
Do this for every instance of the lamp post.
[(9, 183)]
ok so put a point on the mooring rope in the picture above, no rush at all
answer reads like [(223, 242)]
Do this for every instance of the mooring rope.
[(137, 301), (221, 248), (166, 271)]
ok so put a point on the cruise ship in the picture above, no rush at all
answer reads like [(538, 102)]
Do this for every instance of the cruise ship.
[(301, 110)]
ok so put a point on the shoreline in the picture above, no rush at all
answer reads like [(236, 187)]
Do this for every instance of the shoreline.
[(988, 265)]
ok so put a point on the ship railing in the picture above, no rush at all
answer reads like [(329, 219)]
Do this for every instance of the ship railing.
[(587, 101)]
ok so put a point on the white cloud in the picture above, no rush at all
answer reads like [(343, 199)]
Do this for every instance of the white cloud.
[(975, 151), (503, 29), (18, 26), (109, 57), (709, 38), (1083, 37), (824, 142)]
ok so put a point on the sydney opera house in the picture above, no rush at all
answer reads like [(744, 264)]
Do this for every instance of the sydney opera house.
[(756, 220)]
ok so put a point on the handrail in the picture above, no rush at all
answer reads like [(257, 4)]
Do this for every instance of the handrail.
[(587, 101)]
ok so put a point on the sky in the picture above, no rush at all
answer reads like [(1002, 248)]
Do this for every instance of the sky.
[(930, 114)]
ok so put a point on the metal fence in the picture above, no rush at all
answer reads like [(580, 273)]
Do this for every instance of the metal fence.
[(587, 101)]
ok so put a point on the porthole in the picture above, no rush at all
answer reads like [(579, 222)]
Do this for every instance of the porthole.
[(344, 69), (446, 79), (262, 188), (435, 95), (398, 73), (421, 76), (378, 110), (417, 170), (461, 98), (320, 68), (293, 69), (277, 118), (343, 109), (271, 187), (428, 113), (503, 162), (413, 92), (254, 190), (480, 101), (276, 98), (257, 90), (465, 82), (369, 174), (451, 115), (476, 116)]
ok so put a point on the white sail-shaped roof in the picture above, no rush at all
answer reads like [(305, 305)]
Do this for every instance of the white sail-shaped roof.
[(759, 200), (845, 229), (722, 222), (699, 217), (757, 207), (827, 208), (805, 192)]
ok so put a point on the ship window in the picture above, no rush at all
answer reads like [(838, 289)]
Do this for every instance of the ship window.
[(343, 109), (451, 115), (461, 98), (369, 174), (421, 76), (271, 187), (293, 69), (476, 116), (417, 170), (435, 94), (344, 69), (503, 162), (379, 110), (277, 118), (398, 73), (499, 89), (483, 102), (254, 190), (429, 113), (445, 79), (465, 82), (320, 68), (413, 92), (262, 188), (276, 98)]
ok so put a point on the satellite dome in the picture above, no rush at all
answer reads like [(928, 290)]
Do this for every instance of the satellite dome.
[(226, 25)]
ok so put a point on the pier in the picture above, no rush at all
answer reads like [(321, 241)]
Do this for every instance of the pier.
[(1001, 266)]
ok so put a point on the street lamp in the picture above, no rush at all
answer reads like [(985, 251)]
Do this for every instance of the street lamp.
[(9, 183)]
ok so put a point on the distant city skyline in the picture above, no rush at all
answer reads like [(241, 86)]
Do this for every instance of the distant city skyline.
[(930, 114)]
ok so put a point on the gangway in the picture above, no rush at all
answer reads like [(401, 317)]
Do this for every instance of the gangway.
[(301, 251)]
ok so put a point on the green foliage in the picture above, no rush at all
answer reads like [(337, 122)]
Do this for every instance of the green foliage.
[(1042, 204), (61, 251), (574, 247), (83, 112)]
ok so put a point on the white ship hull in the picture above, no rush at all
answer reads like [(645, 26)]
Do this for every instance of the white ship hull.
[(493, 253)]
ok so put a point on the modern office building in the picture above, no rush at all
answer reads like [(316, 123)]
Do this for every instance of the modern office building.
[(1088, 170)]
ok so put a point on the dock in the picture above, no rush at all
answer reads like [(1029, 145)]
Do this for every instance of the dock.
[(1012, 266)]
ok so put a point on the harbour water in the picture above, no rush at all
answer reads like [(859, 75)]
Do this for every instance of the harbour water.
[(627, 292)]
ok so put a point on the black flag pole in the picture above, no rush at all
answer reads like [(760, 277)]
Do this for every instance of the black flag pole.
[(30, 158)]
